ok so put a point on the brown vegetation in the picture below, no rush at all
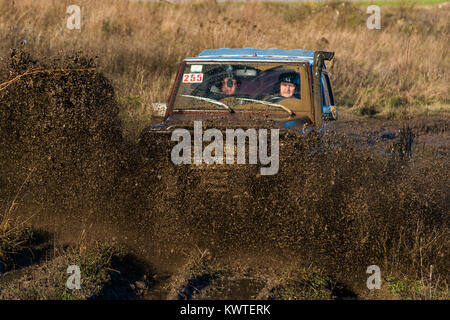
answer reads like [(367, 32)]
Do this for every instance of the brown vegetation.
[(140, 44)]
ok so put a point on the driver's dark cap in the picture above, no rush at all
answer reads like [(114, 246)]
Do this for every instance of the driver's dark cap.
[(289, 78), (229, 81)]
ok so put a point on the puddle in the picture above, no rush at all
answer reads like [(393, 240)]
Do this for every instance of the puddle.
[(228, 288)]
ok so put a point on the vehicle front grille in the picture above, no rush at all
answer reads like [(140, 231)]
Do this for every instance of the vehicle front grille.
[(230, 179)]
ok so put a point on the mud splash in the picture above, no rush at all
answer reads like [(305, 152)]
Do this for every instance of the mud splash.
[(59, 118), (334, 203)]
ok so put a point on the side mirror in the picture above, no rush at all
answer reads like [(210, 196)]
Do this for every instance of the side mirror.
[(158, 109)]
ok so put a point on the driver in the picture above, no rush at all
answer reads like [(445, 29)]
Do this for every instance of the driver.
[(288, 83), (229, 86)]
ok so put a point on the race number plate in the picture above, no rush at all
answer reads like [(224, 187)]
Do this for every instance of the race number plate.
[(193, 77)]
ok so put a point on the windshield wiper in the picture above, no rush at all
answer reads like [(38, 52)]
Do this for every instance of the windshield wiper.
[(209, 100), (269, 104)]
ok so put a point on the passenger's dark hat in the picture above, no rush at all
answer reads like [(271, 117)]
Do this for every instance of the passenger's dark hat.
[(289, 77)]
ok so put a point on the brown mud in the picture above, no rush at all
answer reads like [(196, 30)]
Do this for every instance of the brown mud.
[(362, 193)]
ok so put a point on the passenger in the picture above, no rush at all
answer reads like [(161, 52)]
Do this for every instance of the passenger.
[(288, 83), (287, 86)]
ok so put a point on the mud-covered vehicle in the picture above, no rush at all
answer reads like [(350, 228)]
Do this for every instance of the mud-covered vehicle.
[(228, 89)]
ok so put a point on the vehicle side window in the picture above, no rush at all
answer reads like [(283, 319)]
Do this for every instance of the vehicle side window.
[(328, 89), (324, 91)]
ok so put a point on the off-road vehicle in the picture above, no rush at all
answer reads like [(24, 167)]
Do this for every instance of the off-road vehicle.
[(237, 88)]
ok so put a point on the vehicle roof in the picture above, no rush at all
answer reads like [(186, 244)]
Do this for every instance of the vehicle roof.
[(254, 54)]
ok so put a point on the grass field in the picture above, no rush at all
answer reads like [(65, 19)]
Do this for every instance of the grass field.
[(139, 45), (400, 3)]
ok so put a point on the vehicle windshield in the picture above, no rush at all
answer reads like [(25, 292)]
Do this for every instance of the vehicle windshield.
[(231, 86)]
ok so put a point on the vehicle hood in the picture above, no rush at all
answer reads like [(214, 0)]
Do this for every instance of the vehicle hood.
[(222, 120)]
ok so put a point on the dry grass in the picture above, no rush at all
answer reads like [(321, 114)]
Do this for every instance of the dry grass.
[(14, 234), (140, 45), (106, 273)]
